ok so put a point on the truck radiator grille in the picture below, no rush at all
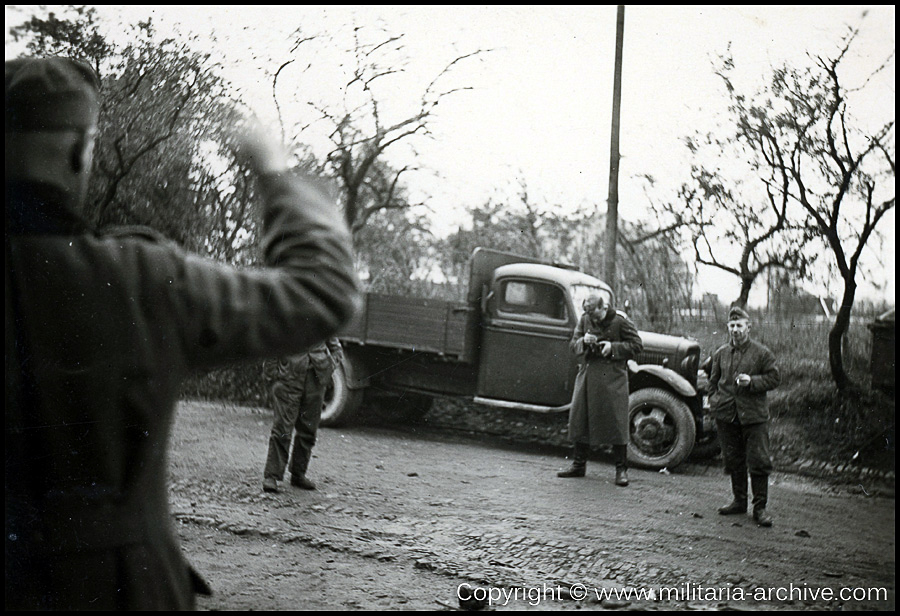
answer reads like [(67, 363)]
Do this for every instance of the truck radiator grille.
[(652, 357)]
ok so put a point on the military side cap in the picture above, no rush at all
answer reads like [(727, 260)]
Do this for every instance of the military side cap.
[(737, 313), (51, 94)]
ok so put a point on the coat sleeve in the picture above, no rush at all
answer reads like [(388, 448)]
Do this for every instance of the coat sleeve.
[(715, 375), (629, 344), (768, 376), (577, 343), (307, 290)]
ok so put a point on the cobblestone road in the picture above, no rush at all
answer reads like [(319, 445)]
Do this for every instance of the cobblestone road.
[(497, 516)]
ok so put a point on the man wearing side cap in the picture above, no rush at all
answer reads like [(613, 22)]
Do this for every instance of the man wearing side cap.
[(741, 372), (604, 340), (100, 332)]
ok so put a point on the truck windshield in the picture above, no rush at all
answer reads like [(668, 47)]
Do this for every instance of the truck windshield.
[(581, 292)]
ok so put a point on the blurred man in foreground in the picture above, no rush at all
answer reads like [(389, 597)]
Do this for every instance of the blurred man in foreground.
[(100, 333), (741, 373)]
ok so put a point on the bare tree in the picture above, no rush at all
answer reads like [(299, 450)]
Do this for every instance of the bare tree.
[(360, 131), (817, 155), (737, 204), (655, 272)]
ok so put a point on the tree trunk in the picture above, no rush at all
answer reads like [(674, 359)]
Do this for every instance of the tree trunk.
[(350, 211), (744, 297), (836, 337)]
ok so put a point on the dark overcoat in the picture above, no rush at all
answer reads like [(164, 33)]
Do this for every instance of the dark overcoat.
[(599, 413), (100, 333)]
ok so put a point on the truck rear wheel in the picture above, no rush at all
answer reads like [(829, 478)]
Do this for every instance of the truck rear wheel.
[(662, 429), (341, 403)]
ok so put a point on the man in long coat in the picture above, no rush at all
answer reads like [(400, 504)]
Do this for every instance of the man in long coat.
[(100, 333), (604, 340)]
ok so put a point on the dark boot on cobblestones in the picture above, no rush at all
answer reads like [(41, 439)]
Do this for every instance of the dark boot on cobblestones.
[(739, 489), (301, 481), (760, 486), (620, 453), (580, 453), (270, 484), (762, 518), (734, 508), (576, 470)]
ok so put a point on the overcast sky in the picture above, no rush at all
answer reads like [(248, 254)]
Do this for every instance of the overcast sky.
[(540, 107)]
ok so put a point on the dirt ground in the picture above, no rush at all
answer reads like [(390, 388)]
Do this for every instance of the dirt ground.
[(410, 519)]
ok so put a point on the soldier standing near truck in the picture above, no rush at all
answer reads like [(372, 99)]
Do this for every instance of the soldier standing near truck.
[(741, 373), (297, 387), (604, 340)]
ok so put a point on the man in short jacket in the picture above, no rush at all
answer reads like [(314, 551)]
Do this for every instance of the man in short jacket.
[(604, 340), (297, 385), (101, 331), (741, 373)]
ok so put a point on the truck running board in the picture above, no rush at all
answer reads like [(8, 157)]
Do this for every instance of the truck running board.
[(521, 406)]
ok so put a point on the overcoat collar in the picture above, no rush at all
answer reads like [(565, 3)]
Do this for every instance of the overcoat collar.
[(604, 323), (41, 209)]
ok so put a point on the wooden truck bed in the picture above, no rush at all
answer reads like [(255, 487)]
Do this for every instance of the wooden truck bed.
[(424, 325)]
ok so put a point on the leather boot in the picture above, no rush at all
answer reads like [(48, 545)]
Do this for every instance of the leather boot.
[(576, 470), (621, 455), (270, 484), (760, 486), (302, 482), (579, 462), (739, 489)]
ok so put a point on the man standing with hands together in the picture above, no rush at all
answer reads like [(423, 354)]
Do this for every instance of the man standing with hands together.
[(604, 340), (741, 373)]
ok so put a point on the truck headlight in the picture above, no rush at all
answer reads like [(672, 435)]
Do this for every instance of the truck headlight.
[(689, 364)]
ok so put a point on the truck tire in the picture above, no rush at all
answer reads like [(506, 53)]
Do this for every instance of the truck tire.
[(661, 427), (341, 403)]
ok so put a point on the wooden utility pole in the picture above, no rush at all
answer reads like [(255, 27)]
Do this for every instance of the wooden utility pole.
[(612, 203)]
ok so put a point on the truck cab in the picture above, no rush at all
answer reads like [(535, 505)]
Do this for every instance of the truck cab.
[(527, 321)]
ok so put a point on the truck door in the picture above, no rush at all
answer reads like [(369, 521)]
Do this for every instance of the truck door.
[(525, 344)]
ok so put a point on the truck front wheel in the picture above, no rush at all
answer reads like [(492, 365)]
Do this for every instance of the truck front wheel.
[(662, 429), (341, 403)]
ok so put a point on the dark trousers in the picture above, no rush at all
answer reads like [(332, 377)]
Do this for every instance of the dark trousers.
[(745, 448), (580, 452), (299, 414)]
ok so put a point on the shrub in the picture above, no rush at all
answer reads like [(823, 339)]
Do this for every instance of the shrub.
[(240, 384)]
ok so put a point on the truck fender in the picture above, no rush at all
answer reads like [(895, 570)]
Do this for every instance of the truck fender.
[(355, 369), (666, 375)]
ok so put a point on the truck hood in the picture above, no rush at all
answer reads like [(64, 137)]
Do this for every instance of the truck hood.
[(658, 342)]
